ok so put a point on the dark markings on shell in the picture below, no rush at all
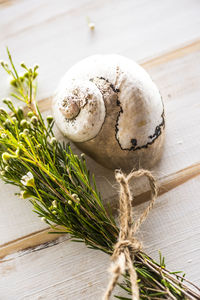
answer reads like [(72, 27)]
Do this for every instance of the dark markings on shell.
[(134, 142), (116, 90), (134, 147), (153, 137)]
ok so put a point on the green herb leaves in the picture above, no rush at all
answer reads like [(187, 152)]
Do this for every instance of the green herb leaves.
[(60, 187)]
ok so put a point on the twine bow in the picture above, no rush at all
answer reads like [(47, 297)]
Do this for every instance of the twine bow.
[(127, 245)]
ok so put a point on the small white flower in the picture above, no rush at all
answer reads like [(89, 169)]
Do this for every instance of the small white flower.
[(3, 136), (28, 179)]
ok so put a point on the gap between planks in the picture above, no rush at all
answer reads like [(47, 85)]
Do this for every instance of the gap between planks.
[(7, 2), (40, 237), (165, 184)]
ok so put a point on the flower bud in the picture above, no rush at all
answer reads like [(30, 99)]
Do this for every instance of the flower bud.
[(30, 114), (54, 204), (14, 119), (3, 112), (49, 119), (13, 82), (25, 195), (6, 156), (23, 123), (23, 65), (34, 120), (69, 202), (53, 141), (25, 131), (8, 101), (36, 67), (8, 122)]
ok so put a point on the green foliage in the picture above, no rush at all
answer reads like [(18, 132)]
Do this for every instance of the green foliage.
[(60, 187)]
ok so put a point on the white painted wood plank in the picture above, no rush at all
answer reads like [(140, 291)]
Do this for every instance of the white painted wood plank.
[(71, 271), (16, 216), (179, 83), (55, 33), (179, 78)]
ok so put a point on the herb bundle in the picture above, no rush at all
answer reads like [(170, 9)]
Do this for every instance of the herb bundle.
[(63, 192)]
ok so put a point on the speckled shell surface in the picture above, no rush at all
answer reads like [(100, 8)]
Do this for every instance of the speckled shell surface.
[(130, 130)]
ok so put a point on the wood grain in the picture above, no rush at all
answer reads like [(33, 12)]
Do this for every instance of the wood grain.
[(178, 80), (67, 270), (164, 36), (171, 55), (37, 238), (45, 104), (6, 2), (57, 36), (31, 240)]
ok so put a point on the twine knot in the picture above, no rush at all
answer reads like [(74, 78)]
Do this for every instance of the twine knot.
[(127, 246), (133, 246)]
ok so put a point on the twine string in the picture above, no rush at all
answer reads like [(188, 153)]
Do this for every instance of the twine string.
[(127, 245)]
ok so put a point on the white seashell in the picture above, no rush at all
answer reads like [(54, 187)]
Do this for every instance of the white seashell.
[(110, 107), (81, 111)]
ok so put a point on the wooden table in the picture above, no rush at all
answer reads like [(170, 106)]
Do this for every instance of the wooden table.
[(164, 36)]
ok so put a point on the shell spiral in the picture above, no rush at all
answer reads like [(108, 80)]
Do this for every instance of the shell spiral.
[(109, 106)]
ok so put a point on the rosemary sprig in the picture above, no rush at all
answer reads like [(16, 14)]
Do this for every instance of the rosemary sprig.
[(62, 192)]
